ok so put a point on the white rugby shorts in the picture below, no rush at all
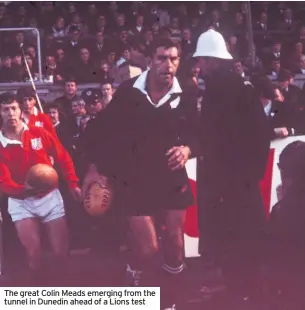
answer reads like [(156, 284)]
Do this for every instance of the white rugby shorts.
[(47, 208)]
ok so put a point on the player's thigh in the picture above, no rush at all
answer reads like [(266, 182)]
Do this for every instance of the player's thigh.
[(57, 233), (143, 234), (28, 231)]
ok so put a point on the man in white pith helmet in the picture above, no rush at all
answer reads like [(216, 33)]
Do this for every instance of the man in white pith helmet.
[(235, 147)]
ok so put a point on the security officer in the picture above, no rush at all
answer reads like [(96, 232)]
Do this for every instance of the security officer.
[(235, 146)]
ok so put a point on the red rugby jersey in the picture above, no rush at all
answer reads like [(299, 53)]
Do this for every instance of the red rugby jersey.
[(16, 158), (39, 119)]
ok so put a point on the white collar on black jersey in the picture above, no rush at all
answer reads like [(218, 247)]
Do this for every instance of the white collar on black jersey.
[(5, 141), (140, 84)]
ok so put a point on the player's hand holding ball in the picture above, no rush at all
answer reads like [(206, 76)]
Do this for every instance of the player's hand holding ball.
[(40, 179)]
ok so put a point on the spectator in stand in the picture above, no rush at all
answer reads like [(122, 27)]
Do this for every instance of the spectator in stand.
[(84, 72), (238, 25), (47, 15), (98, 48), (147, 41), (91, 16), (138, 29), (58, 29), (187, 44), (8, 73), (50, 68), (289, 23), (155, 27), (120, 23), (70, 95), (274, 68), (239, 68), (103, 72), (101, 24), (78, 24), (107, 92), (175, 29), (31, 66), (295, 57), (124, 56), (79, 113), (281, 117), (156, 14), (61, 127), (291, 93), (72, 45), (216, 21), (94, 101), (301, 65), (30, 114)]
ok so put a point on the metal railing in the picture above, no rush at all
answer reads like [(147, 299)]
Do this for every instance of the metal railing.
[(38, 45)]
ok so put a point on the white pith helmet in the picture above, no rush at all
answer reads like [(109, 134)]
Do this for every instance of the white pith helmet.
[(212, 44)]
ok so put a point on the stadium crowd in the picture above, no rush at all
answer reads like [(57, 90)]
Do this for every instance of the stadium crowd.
[(110, 42)]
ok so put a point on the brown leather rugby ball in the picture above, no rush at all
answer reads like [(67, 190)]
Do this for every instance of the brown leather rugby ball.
[(98, 199), (42, 176)]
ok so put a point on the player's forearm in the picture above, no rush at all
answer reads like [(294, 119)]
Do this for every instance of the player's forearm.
[(13, 190), (67, 168)]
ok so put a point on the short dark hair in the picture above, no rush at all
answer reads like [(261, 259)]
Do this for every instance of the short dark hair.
[(70, 79), (8, 98), (53, 105), (162, 42)]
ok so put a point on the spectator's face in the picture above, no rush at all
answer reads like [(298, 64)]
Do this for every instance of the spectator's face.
[(99, 37), (54, 115), (140, 20), (216, 16), (60, 54), (71, 8), (264, 18), (10, 114), (106, 90), (195, 71), (224, 5), (126, 54), (101, 22), (278, 95), (94, 108), (20, 38), (31, 51), (111, 57), (104, 67), (238, 68), (76, 19), (7, 62), (70, 88), (120, 20), (33, 23), (29, 61), (17, 60), (149, 36), (288, 13), (233, 40), (92, 9), (76, 108), (276, 48), (299, 48), (175, 23), (165, 63), (283, 84), (238, 18), (60, 23), (113, 6), (21, 11), (155, 27), (276, 66), (28, 104), (84, 55), (186, 34), (123, 36), (50, 60)]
